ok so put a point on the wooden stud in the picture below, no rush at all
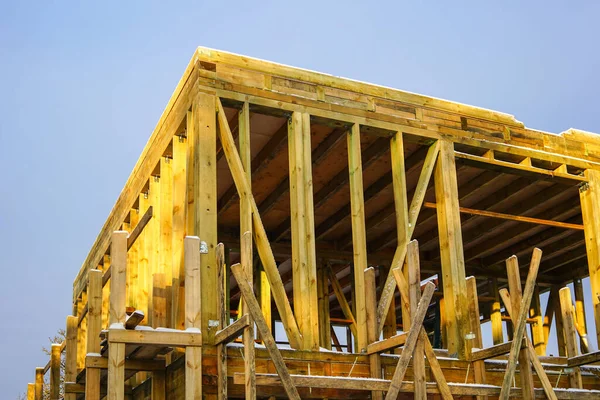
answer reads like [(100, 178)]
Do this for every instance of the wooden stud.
[(519, 330), (31, 392), (179, 224), (589, 195), (359, 240), (118, 279), (248, 335), (55, 371), (265, 333), (389, 324), (39, 383), (159, 300), (71, 353), (142, 261), (131, 295), (339, 294), (159, 385), (260, 235), (165, 244), (568, 316), (193, 317), (477, 341), (324, 318), (132, 272), (549, 315), (414, 295), (516, 295), (496, 315), (580, 315), (537, 328), (371, 304), (451, 250), (223, 315), (92, 375), (558, 318), (81, 332), (152, 246), (116, 371)]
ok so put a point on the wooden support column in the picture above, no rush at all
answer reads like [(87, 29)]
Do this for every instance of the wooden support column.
[(580, 316), (106, 289), (324, 320), (568, 315), (389, 325), (558, 318), (39, 383), (359, 239), (371, 304), (537, 328), (516, 295), (178, 234), (165, 245), (55, 371), (31, 392), (496, 314), (193, 317), (81, 332), (152, 245), (132, 271), (116, 351), (451, 250), (223, 315), (71, 353), (205, 204), (477, 340), (143, 264), (302, 227), (159, 385), (414, 293), (589, 194), (92, 375), (549, 316), (248, 335)]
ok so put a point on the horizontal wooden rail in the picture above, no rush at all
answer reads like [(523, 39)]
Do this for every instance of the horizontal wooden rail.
[(510, 217), (584, 359)]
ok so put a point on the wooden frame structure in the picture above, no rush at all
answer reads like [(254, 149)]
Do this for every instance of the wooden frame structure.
[(285, 201)]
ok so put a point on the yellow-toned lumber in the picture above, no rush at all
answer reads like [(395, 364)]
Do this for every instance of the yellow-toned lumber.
[(568, 316), (193, 316), (159, 385), (359, 239), (223, 316), (132, 269), (516, 295), (389, 327), (165, 244), (496, 315), (106, 287), (260, 235), (477, 341), (324, 317), (141, 288), (265, 333), (152, 245), (560, 332), (371, 304), (159, 300), (589, 195), (116, 371), (387, 293), (580, 316), (71, 353), (92, 375), (232, 331), (451, 250), (414, 295), (39, 383), (55, 372), (537, 328), (339, 294), (537, 365), (248, 335), (178, 233), (301, 213), (31, 392), (82, 331), (118, 255), (520, 326)]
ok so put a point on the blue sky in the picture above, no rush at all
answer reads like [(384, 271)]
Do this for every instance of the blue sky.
[(82, 85)]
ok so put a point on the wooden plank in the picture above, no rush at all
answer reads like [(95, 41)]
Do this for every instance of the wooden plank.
[(477, 341), (132, 272), (193, 373), (179, 223), (387, 293), (39, 383), (491, 352), (143, 257), (31, 392), (560, 332), (118, 256), (359, 240), (260, 236), (414, 295), (92, 375), (159, 385), (584, 359), (496, 315), (537, 365), (99, 362), (159, 300), (451, 250), (152, 245), (519, 330), (55, 371), (387, 344), (223, 315), (158, 337), (514, 285), (193, 316), (371, 307), (165, 244), (248, 333), (265, 333), (116, 369), (81, 332), (568, 316), (411, 341), (339, 294), (134, 319), (537, 328), (232, 331), (324, 317), (71, 352), (580, 316)]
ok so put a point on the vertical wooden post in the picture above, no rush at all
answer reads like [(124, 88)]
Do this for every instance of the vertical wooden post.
[(496, 314), (205, 203), (248, 335), (414, 295), (132, 270), (31, 392), (537, 328), (359, 240), (116, 351), (152, 245), (39, 383), (568, 315), (71, 353), (302, 228), (478, 366), (223, 315), (451, 250), (143, 264), (178, 234), (560, 331), (548, 316), (81, 333), (132, 285), (389, 325), (371, 304), (589, 194), (165, 243), (193, 317), (159, 385), (324, 321), (92, 375), (580, 315), (516, 294), (55, 371)]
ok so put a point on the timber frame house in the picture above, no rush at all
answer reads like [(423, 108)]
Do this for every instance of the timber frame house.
[(291, 234)]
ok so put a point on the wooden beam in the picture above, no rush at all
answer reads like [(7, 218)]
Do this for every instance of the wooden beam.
[(142, 259), (152, 245), (265, 333), (248, 334), (451, 250), (31, 392), (371, 307), (193, 316), (477, 341), (118, 256), (92, 375), (537, 328), (584, 359), (260, 236), (580, 315), (232, 331), (324, 317), (223, 315), (568, 316), (165, 245), (39, 383), (179, 220), (339, 294), (158, 388), (496, 315), (55, 371), (71, 353)]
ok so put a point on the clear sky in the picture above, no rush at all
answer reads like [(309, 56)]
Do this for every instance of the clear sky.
[(83, 83)]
